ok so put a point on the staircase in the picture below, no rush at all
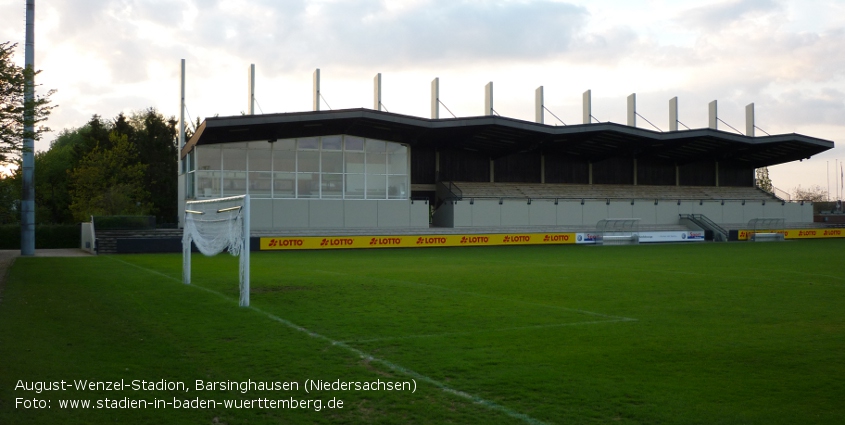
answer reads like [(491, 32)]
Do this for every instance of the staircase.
[(701, 220), (107, 239)]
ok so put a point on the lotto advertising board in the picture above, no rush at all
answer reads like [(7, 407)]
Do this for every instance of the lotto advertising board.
[(415, 241), (745, 235)]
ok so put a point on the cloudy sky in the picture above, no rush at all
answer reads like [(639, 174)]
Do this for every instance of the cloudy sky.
[(786, 56)]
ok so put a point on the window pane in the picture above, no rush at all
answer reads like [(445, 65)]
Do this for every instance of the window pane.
[(375, 145), (354, 186), (308, 143), (332, 162), (395, 147), (376, 187), (331, 143), (284, 161), (285, 145), (308, 185), (308, 161), (354, 143), (376, 163), (234, 183), (189, 186), (259, 184), (208, 157), (397, 187), (332, 185), (284, 185), (354, 162), (397, 163), (234, 159), (260, 159), (208, 184)]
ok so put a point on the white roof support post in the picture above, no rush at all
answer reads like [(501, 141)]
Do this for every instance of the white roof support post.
[(435, 98), (182, 110), (488, 99), (250, 109), (632, 110), (316, 93), (538, 105), (587, 97), (377, 92), (749, 120), (712, 116), (673, 114)]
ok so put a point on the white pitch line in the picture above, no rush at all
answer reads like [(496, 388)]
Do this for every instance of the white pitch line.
[(476, 294), (390, 365), (514, 328)]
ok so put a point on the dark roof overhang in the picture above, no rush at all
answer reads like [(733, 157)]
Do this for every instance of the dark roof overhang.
[(497, 137)]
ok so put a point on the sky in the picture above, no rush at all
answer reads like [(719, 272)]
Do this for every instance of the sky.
[(786, 56)]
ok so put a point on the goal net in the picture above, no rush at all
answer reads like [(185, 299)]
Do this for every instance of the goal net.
[(766, 229), (216, 225), (618, 231)]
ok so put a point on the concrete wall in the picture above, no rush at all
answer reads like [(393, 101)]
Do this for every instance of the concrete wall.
[(517, 212), (269, 214)]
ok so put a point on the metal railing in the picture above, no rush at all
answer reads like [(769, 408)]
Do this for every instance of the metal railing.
[(777, 193), (450, 191), (705, 223)]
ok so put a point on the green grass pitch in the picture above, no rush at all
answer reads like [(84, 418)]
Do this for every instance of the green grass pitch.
[(736, 333)]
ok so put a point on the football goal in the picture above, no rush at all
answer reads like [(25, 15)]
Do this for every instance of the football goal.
[(215, 225), (618, 231), (766, 229)]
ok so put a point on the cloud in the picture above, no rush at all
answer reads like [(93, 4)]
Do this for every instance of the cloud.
[(369, 33), (720, 15)]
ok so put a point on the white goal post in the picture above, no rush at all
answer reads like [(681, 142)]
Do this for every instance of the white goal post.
[(215, 225)]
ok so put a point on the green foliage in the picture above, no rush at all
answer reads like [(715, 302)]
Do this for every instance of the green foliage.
[(150, 134), (10, 195), (112, 222), (763, 180), (13, 120), (109, 182), (154, 136), (47, 236)]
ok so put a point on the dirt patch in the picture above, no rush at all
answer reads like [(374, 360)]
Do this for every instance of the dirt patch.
[(7, 258)]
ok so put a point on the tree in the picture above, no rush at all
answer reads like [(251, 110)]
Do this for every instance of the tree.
[(763, 180), (154, 136), (13, 80), (109, 182), (10, 195), (813, 194)]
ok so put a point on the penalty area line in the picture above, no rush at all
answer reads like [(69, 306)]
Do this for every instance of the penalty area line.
[(366, 356)]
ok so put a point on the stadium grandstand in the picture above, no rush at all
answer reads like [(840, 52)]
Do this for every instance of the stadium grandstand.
[(372, 172)]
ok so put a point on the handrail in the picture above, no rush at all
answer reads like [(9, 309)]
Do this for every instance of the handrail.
[(777, 193), (703, 221), (450, 190)]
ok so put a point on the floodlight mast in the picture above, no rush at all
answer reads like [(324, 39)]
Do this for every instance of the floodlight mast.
[(28, 154)]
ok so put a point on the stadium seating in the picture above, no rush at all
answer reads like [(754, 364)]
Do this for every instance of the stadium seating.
[(586, 191)]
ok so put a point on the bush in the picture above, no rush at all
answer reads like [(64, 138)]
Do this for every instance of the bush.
[(47, 236), (119, 222)]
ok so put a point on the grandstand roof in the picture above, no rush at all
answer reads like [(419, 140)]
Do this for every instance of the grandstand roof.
[(501, 136)]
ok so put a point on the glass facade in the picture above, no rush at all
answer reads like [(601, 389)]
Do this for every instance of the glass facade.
[(328, 167)]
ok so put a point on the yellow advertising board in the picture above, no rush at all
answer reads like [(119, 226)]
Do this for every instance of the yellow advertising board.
[(413, 241), (745, 235)]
